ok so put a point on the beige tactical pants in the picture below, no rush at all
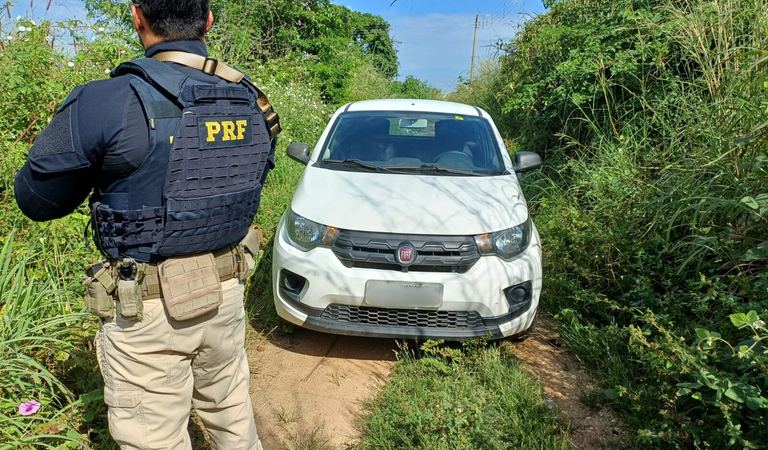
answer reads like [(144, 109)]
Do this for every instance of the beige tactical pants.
[(154, 369)]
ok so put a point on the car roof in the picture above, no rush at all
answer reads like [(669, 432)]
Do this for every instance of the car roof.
[(414, 105)]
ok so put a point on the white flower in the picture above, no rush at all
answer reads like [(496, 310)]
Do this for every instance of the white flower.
[(101, 28), (10, 37), (71, 64), (107, 70), (21, 28), (93, 38), (18, 17), (33, 22)]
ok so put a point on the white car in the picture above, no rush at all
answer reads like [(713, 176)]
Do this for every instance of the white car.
[(409, 222)]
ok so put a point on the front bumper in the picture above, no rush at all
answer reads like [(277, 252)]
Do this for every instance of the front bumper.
[(332, 299)]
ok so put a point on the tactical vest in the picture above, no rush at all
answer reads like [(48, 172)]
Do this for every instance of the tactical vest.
[(198, 188)]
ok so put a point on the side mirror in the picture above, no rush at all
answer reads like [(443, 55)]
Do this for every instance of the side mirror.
[(299, 151), (525, 161)]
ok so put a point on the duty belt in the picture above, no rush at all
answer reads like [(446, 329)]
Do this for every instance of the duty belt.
[(228, 265)]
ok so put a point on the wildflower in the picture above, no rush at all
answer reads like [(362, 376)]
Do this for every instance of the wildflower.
[(107, 70), (71, 64), (18, 17), (29, 408), (298, 23), (22, 28), (10, 37), (34, 23), (101, 28)]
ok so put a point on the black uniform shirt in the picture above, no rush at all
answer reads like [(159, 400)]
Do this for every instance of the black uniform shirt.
[(102, 132)]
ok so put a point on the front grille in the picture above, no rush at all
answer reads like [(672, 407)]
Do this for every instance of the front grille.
[(403, 317), (433, 253)]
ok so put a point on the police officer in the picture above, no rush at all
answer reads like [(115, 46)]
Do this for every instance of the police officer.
[(175, 147)]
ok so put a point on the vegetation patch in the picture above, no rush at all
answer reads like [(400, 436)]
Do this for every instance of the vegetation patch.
[(652, 203), (471, 397)]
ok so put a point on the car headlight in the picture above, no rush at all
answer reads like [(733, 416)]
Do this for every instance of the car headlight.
[(305, 234), (506, 243)]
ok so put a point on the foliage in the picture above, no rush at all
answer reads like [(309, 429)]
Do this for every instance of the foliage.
[(39, 331), (412, 87), (367, 84), (310, 41), (652, 202), (475, 397), (483, 91)]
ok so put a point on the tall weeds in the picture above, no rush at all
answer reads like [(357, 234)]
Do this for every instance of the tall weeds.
[(653, 205), (37, 332)]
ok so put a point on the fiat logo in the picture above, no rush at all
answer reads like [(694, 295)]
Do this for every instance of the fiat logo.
[(406, 254)]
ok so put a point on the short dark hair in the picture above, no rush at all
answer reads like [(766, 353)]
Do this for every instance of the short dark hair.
[(176, 20)]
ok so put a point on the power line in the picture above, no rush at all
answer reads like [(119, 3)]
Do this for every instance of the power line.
[(503, 12)]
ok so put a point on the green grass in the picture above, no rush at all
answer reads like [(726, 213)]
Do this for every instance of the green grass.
[(475, 397), (38, 333)]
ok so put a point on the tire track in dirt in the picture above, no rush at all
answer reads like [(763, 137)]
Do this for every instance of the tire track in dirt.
[(564, 382)]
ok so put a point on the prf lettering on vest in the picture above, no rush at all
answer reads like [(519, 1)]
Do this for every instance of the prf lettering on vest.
[(215, 128), (224, 131)]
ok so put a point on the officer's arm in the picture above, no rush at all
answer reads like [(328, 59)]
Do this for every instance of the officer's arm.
[(43, 196), (88, 141), (56, 178)]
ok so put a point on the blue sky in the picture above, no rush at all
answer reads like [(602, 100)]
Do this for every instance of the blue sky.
[(435, 36)]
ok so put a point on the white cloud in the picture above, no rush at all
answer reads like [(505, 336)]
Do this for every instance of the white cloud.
[(438, 47)]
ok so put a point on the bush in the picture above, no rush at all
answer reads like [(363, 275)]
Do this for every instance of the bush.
[(652, 203)]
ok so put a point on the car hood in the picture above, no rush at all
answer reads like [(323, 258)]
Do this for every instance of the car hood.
[(410, 203)]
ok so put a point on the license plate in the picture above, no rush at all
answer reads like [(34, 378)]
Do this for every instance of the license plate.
[(403, 294)]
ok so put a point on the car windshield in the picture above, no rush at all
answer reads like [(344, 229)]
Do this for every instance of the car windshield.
[(408, 142)]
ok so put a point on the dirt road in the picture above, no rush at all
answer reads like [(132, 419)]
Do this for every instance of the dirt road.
[(308, 386)]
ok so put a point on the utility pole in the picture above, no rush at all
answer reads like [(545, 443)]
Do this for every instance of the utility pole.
[(474, 46)]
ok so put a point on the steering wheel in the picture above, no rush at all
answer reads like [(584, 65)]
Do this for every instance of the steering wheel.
[(459, 157)]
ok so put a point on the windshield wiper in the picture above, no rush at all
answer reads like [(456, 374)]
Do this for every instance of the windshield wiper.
[(426, 168), (357, 163)]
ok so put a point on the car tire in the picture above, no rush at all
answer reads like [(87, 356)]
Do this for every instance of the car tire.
[(525, 334)]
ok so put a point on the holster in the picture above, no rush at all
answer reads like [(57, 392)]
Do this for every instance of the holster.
[(131, 275), (248, 253), (99, 290)]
